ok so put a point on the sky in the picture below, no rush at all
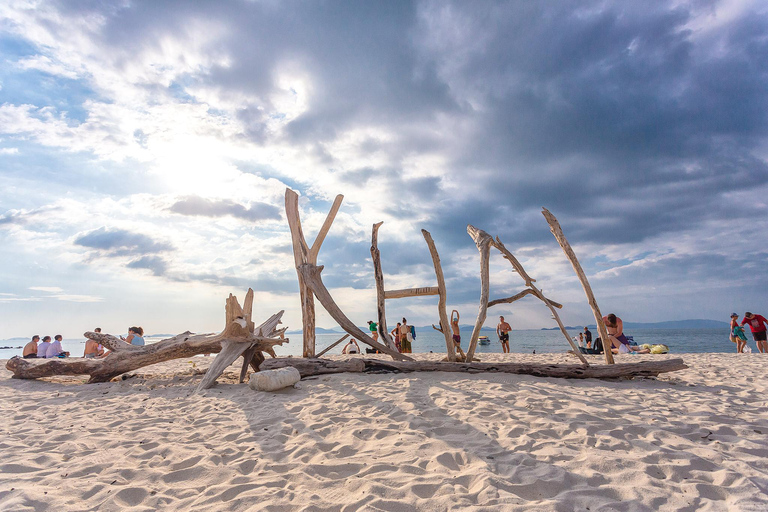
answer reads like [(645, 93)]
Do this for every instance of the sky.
[(145, 149)]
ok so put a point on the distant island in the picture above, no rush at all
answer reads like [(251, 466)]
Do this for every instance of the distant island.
[(672, 324)]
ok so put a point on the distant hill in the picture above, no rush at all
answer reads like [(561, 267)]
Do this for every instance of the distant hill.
[(674, 324), (320, 330)]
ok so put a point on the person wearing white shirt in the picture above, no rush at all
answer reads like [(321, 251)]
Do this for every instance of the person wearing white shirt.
[(55, 350), (42, 348)]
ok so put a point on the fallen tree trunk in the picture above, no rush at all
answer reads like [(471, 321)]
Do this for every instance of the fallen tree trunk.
[(308, 367), (124, 357)]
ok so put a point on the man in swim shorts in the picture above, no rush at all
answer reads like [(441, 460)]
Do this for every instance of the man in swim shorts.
[(502, 330), (619, 342), (757, 323), (457, 333)]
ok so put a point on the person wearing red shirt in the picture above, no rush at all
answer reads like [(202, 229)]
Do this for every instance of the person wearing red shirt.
[(758, 325)]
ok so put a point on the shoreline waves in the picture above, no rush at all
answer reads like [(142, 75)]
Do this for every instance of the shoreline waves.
[(690, 440)]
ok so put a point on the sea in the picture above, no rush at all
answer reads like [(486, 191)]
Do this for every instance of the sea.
[(521, 341)]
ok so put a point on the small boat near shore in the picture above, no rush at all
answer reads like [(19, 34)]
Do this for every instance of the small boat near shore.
[(483, 340)]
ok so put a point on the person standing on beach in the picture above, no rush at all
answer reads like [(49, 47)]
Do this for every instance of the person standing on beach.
[(737, 334), (405, 334), (757, 323), (30, 349), (588, 337), (456, 333), (374, 328), (502, 330), (396, 336)]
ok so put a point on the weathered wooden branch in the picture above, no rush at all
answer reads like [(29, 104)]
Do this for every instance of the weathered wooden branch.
[(124, 357), (378, 276), (554, 226), (483, 241), (519, 296), (311, 276), (529, 282), (443, 300), (335, 343), (411, 292), (309, 367), (300, 256)]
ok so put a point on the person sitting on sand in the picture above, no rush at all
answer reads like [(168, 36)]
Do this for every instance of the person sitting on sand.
[(42, 348), (56, 350), (93, 348), (456, 333), (351, 348), (135, 336), (619, 342), (757, 323), (30, 349), (502, 331), (374, 328), (405, 332)]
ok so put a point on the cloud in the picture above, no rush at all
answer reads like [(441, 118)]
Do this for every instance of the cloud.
[(48, 289), (156, 264), (196, 205), (120, 242)]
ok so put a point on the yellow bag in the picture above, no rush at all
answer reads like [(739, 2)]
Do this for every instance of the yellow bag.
[(659, 349)]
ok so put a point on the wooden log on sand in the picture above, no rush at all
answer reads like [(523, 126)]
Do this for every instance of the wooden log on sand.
[(124, 357), (308, 367)]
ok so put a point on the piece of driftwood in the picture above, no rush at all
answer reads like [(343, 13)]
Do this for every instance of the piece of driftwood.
[(557, 231), (304, 254), (309, 367), (442, 302), (311, 275), (518, 296), (329, 347), (483, 242), (124, 357), (411, 292), (378, 277)]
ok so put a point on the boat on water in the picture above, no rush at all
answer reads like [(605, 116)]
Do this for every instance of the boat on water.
[(484, 340)]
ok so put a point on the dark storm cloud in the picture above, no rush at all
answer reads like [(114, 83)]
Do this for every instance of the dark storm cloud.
[(196, 205), (120, 242)]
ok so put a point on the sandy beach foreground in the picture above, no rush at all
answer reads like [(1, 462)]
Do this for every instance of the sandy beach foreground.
[(690, 440)]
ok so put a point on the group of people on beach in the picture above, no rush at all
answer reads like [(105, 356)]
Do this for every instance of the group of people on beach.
[(46, 349), (757, 324)]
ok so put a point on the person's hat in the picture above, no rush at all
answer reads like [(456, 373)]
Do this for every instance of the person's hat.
[(734, 315)]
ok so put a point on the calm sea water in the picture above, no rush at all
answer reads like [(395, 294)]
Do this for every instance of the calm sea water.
[(678, 341)]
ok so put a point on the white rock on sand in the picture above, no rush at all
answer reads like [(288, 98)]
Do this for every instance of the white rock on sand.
[(690, 440)]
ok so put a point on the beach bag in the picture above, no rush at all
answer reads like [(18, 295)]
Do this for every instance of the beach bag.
[(659, 349), (409, 336), (747, 350)]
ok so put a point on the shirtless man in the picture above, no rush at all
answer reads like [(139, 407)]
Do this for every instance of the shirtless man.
[(457, 333), (93, 349), (502, 330), (30, 349), (619, 342)]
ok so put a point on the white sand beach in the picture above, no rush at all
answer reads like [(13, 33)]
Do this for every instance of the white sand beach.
[(690, 440)]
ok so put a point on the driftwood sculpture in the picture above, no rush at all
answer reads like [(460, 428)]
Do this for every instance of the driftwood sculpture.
[(439, 290), (554, 226), (238, 331), (310, 281), (484, 241), (309, 367)]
